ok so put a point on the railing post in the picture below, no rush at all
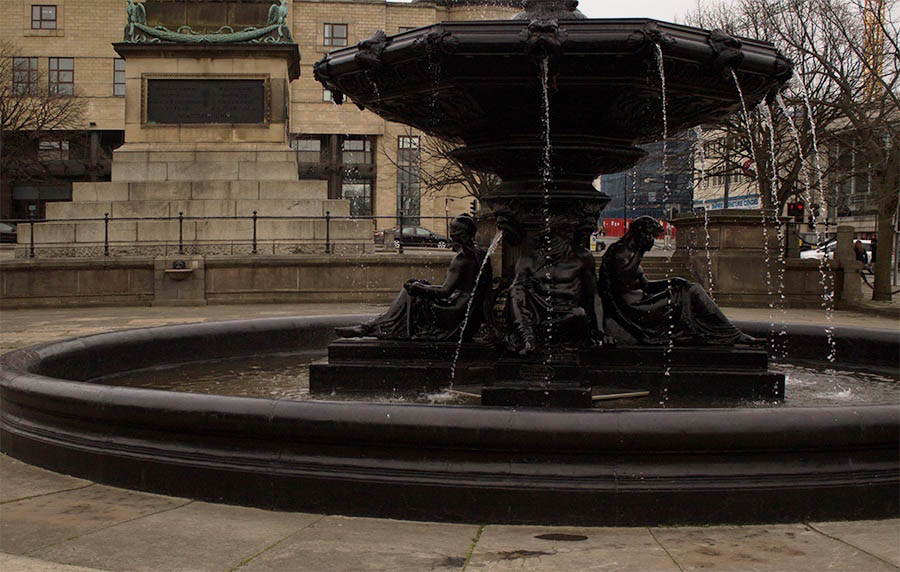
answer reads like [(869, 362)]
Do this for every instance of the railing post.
[(254, 251), (31, 235), (327, 232), (105, 234), (400, 236), (180, 233)]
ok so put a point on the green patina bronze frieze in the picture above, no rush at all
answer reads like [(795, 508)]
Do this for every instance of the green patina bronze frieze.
[(275, 31)]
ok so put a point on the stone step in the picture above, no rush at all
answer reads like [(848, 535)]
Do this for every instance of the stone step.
[(199, 190), (204, 171), (198, 208)]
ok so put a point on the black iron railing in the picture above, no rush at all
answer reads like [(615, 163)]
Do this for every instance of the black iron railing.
[(441, 222)]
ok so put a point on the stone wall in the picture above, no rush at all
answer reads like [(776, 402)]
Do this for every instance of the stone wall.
[(738, 253), (111, 281)]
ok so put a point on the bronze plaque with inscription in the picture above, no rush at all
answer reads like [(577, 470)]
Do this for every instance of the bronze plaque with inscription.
[(192, 101)]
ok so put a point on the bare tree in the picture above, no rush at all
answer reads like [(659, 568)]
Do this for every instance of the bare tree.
[(845, 92), (771, 145), (440, 171), (29, 115)]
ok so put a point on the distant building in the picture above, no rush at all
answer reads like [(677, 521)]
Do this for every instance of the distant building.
[(644, 190), (363, 158)]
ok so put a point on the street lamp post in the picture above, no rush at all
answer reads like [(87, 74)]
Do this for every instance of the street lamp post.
[(447, 201)]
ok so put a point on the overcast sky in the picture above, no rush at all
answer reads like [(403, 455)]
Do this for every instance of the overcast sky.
[(668, 10)]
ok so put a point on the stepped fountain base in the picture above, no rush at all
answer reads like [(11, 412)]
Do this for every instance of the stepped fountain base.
[(720, 374)]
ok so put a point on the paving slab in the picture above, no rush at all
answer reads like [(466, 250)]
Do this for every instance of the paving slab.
[(20, 481), (775, 548), (30, 524), (195, 537), (880, 538), (554, 549), (14, 563), (341, 544)]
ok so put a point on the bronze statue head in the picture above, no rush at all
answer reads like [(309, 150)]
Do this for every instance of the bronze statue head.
[(644, 230), (462, 230)]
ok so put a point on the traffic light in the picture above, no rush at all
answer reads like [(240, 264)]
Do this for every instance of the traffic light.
[(796, 210)]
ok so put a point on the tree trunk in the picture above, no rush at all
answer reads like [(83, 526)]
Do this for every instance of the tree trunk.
[(887, 206)]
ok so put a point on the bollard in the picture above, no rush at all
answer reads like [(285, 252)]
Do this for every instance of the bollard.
[(31, 236), (327, 232), (254, 251), (105, 234)]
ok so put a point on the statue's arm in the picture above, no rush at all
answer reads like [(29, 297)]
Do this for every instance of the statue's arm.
[(452, 281)]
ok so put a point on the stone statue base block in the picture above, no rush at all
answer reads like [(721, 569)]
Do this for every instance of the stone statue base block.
[(370, 365), (698, 376)]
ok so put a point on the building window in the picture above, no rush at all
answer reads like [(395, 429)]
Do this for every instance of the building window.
[(345, 161), (335, 34), (408, 181), (356, 151), (25, 76), (119, 77), (43, 17), (359, 193), (53, 151), (62, 76), (326, 95), (309, 157), (356, 158)]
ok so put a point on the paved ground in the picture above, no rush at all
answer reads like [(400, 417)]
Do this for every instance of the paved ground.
[(53, 522)]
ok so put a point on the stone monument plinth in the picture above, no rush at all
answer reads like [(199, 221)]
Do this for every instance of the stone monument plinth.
[(206, 157)]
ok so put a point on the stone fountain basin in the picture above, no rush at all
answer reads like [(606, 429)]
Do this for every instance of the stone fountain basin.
[(448, 463)]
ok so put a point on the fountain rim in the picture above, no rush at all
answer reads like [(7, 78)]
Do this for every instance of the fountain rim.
[(515, 26), (392, 460)]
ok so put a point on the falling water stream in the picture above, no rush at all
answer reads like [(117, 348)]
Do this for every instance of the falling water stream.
[(780, 341), (487, 260), (546, 181), (827, 281), (702, 161), (670, 311), (745, 116)]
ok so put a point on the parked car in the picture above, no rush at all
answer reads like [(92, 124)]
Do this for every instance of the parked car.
[(413, 236), (7, 232), (827, 251)]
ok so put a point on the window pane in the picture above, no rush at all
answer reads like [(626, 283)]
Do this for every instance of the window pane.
[(120, 65), (65, 77), (360, 196), (66, 63), (35, 12), (48, 12), (326, 95), (307, 144)]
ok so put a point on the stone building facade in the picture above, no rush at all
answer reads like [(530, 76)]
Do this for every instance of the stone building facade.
[(354, 152)]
